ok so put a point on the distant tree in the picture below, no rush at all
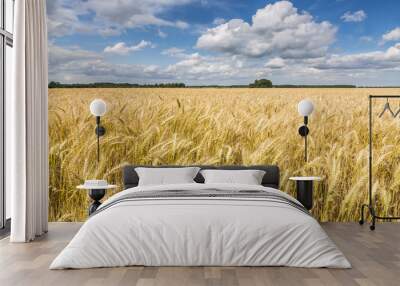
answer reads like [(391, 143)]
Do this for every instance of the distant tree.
[(54, 84), (261, 83)]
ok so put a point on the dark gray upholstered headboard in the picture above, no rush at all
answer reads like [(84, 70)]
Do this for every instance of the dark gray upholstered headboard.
[(271, 177)]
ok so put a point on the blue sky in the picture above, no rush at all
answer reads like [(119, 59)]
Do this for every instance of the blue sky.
[(225, 42)]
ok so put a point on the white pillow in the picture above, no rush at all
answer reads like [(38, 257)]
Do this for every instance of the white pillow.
[(248, 177), (166, 176)]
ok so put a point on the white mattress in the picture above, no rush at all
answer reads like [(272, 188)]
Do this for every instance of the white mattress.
[(200, 232)]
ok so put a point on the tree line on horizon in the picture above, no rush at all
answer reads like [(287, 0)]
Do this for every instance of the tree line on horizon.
[(258, 83), (55, 84)]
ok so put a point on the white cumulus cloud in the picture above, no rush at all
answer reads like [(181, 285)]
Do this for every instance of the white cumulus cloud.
[(219, 21), (275, 63), (110, 31), (109, 18), (122, 49), (277, 30), (174, 52), (161, 34), (133, 13), (63, 18), (357, 16), (393, 35), (74, 64), (366, 39), (69, 55), (388, 59), (196, 67)]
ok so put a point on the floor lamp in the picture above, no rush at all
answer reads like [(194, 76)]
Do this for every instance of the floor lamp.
[(98, 108), (305, 108)]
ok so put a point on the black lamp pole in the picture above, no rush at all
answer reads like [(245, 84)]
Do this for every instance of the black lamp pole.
[(303, 131), (100, 131)]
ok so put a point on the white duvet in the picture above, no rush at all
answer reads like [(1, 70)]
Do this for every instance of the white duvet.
[(200, 231)]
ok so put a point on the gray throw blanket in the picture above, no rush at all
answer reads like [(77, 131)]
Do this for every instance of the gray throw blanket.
[(206, 194)]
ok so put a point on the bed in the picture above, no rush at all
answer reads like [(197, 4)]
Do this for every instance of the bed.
[(198, 224)]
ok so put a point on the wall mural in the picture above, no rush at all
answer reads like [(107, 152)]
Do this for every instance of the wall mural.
[(182, 80), (227, 126)]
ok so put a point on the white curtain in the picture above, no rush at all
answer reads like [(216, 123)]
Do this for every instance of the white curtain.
[(27, 124)]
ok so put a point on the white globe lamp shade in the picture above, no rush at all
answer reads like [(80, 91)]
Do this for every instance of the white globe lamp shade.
[(98, 107), (305, 107)]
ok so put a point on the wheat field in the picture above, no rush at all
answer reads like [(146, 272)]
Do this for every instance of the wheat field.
[(227, 126)]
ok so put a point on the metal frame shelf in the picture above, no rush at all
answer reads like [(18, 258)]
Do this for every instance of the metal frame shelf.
[(371, 205)]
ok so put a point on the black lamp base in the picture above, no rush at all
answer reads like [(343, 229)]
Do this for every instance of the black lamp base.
[(305, 193), (100, 130), (303, 131), (96, 195)]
